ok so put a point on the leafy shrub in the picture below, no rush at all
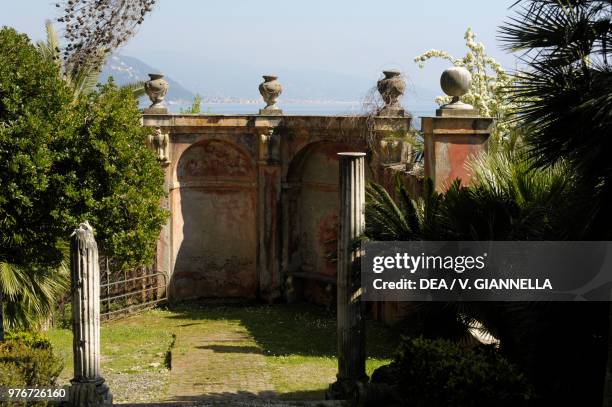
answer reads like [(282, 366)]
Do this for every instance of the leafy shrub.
[(64, 161), (109, 175), (27, 360), (33, 99), (32, 340), (432, 373)]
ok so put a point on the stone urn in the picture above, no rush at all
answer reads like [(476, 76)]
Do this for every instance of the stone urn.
[(156, 88), (456, 82), (270, 90), (391, 88)]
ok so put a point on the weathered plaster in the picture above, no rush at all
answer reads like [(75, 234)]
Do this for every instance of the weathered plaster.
[(254, 199)]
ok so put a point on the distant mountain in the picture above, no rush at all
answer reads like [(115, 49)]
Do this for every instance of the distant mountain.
[(126, 69), (216, 81)]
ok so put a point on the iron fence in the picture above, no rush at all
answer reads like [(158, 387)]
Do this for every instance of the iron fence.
[(126, 291)]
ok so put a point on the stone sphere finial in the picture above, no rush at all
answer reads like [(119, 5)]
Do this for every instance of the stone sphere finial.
[(456, 82)]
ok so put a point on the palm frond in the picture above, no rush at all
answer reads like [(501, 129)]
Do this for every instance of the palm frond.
[(137, 88), (84, 80), (566, 117), (30, 292), (50, 48), (384, 218)]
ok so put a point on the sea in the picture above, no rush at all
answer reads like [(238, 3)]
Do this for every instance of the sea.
[(305, 109)]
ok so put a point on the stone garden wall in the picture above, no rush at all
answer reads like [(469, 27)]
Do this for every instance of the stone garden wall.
[(254, 199)]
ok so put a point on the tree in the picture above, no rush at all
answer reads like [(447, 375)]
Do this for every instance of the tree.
[(84, 78), (93, 29), (506, 200), (490, 82), (33, 101), (63, 161), (29, 293), (568, 111), (566, 82), (32, 106), (109, 176)]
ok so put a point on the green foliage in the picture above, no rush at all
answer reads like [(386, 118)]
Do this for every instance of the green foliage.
[(436, 373), (110, 177), (30, 292), (196, 106), (27, 360), (29, 231), (32, 106), (490, 84), (64, 161), (137, 88), (566, 82), (34, 340), (83, 78), (507, 200)]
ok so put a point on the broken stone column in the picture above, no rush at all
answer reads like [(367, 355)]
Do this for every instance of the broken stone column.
[(88, 388), (350, 312)]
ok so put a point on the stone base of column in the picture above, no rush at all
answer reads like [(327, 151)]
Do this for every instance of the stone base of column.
[(346, 389), (90, 394)]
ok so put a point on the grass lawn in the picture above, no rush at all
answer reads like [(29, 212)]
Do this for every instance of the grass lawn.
[(297, 343)]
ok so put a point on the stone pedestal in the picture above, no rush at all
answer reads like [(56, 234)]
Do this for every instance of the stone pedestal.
[(88, 388), (350, 311), (393, 112), (155, 110), (270, 112), (451, 138)]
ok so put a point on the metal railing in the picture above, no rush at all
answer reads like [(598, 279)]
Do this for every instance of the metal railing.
[(127, 291)]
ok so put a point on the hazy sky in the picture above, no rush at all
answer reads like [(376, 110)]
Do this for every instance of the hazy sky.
[(355, 37)]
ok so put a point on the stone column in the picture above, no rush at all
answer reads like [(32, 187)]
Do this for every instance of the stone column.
[(88, 387), (455, 134), (269, 208), (350, 315)]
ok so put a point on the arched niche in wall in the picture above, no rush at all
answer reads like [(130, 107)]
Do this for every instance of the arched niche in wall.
[(312, 205), (214, 236)]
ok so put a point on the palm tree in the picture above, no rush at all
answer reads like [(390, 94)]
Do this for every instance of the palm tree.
[(507, 200), (29, 293), (84, 78), (567, 114), (568, 110)]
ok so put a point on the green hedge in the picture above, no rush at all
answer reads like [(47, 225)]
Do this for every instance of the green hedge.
[(433, 373), (27, 360)]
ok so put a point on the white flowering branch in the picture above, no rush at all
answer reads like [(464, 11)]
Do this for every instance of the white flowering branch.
[(489, 83)]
